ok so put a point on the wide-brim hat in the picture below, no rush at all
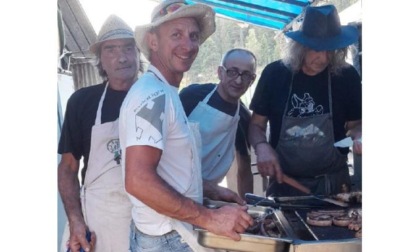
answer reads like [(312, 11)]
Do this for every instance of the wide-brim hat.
[(321, 30), (173, 9), (113, 28)]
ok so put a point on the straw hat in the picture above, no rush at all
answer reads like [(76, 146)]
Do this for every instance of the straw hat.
[(321, 30), (173, 9), (113, 28)]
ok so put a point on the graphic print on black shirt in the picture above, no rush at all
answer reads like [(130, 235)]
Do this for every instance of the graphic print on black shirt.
[(309, 96), (304, 107)]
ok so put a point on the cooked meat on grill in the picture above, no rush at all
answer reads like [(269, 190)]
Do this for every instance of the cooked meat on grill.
[(352, 219), (264, 225), (342, 221), (320, 221), (355, 225), (332, 213)]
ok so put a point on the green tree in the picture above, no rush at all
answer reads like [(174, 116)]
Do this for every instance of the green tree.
[(204, 69), (230, 34), (262, 42)]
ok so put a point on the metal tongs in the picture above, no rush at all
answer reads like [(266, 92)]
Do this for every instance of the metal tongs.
[(297, 185), (271, 201), (293, 183)]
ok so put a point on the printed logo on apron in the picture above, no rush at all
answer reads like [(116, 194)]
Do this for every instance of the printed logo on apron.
[(105, 204), (113, 147), (306, 145)]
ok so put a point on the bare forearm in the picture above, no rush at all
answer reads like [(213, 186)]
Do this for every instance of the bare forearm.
[(210, 190), (155, 192), (69, 188), (213, 191), (144, 183), (267, 162), (257, 130), (256, 134), (245, 178)]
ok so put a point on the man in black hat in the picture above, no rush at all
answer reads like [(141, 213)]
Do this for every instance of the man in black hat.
[(312, 101)]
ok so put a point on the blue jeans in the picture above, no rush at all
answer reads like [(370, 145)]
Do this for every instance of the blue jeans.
[(171, 242)]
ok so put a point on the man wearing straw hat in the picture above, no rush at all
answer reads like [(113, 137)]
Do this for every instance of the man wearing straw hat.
[(312, 101), (90, 130), (161, 164)]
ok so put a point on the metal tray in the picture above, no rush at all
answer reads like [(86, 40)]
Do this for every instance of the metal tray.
[(308, 238), (296, 236), (248, 242)]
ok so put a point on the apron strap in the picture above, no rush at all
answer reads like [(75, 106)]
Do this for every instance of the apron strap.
[(207, 98), (330, 94), (101, 102)]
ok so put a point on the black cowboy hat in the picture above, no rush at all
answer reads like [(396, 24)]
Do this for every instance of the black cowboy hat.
[(321, 30)]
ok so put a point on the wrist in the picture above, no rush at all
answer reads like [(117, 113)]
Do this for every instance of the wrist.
[(259, 143)]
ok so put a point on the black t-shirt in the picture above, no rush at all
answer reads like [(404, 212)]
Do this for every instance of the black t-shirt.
[(309, 96), (194, 93), (80, 117)]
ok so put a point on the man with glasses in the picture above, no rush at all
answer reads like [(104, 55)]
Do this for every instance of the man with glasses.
[(223, 122)]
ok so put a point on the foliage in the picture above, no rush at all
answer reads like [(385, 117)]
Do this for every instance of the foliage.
[(229, 34)]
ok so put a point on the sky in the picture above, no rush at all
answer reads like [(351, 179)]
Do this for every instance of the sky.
[(133, 12)]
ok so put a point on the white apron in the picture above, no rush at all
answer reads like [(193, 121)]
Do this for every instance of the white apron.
[(218, 132), (184, 229), (106, 206)]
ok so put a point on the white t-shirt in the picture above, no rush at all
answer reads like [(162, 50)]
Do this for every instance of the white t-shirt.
[(152, 114)]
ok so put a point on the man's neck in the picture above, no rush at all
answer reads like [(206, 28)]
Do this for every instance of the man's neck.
[(225, 97), (309, 71), (174, 79), (121, 85)]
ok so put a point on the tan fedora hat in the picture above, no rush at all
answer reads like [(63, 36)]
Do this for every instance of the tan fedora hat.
[(113, 28), (173, 9)]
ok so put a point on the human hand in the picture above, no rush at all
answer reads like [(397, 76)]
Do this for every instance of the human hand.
[(357, 146), (215, 192), (78, 238), (229, 221), (225, 194), (267, 162)]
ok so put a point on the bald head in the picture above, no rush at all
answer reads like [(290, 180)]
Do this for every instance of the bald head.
[(241, 55)]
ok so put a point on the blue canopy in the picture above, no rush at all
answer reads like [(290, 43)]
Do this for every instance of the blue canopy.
[(274, 14)]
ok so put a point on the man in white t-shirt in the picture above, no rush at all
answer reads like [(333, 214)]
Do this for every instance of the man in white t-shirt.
[(161, 163)]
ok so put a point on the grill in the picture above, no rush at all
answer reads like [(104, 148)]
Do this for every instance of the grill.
[(289, 215)]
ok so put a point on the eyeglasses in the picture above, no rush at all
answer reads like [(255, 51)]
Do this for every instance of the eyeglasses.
[(171, 8), (234, 73)]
